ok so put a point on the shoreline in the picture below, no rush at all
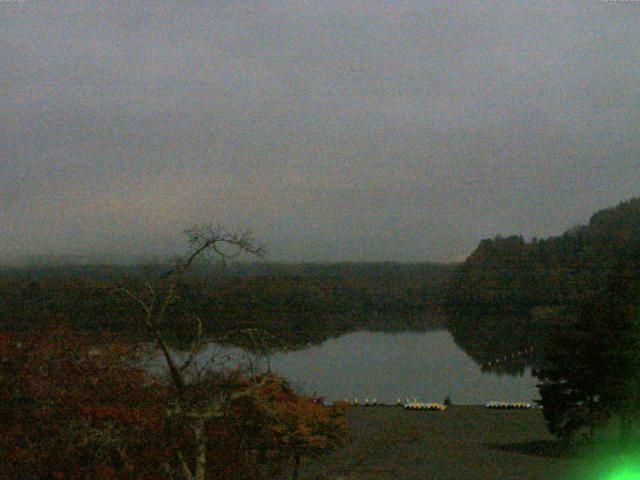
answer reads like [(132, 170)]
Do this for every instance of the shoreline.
[(461, 442)]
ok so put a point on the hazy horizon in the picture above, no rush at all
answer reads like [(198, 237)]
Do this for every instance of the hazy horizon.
[(335, 131), (133, 260)]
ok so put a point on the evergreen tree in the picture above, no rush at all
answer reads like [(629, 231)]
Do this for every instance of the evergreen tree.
[(594, 363)]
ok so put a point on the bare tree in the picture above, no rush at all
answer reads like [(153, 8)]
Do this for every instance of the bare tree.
[(154, 298)]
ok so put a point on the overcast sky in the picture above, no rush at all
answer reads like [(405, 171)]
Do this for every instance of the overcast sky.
[(334, 130)]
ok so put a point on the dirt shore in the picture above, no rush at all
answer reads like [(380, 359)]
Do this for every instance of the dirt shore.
[(460, 443)]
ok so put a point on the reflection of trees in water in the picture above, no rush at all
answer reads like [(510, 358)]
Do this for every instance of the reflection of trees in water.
[(502, 340), (300, 331)]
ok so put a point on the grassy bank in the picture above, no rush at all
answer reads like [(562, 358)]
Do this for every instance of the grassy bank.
[(461, 443)]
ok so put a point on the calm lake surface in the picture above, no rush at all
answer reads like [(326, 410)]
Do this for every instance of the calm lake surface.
[(386, 366), (426, 365)]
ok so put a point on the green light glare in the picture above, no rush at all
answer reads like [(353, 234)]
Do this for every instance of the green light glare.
[(606, 464), (624, 472)]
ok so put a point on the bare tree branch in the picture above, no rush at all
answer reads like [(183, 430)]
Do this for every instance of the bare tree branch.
[(155, 301), (196, 346)]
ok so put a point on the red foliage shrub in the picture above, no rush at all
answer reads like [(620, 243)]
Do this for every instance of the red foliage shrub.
[(75, 407), (71, 409)]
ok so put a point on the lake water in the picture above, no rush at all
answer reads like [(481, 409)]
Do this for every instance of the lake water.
[(386, 366)]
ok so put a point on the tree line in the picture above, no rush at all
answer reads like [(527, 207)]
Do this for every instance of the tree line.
[(298, 304), (556, 271), (589, 367)]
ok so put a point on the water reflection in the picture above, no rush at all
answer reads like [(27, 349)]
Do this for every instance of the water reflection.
[(505, 340), (428, 366), (472, 355)]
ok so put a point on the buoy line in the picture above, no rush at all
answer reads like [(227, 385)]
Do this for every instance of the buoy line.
[(424, 406), (508, 405)]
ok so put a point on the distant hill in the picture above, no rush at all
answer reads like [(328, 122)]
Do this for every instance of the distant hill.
[(298, 303), (557, 270)]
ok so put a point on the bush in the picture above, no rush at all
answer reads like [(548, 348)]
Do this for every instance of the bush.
[(75, 407)]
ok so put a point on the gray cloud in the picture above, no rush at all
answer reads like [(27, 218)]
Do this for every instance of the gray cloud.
[(335, 130)]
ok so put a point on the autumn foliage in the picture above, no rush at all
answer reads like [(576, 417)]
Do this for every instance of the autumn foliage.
[(80, 407), (73, 410)]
